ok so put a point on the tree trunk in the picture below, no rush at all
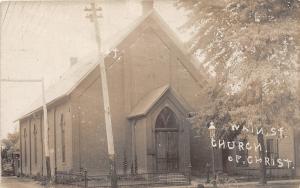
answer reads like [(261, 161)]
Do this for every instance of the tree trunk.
[(262, 154)]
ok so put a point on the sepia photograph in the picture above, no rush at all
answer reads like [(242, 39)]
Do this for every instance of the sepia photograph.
[(150, 93)]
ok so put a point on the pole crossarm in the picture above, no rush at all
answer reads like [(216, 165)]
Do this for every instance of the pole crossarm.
[(93, 15), (20, 80)]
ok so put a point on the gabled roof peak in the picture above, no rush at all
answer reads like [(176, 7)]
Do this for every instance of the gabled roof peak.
[(81, 70)]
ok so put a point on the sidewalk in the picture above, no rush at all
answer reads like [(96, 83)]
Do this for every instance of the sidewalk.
[(195, 182)]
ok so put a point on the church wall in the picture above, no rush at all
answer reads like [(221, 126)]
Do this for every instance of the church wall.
[(121, 127), (150, 65), (36, 145), (88, 119), (90, 144), (148, 62), (60, 111), (154, 63), (141, 145), (51, 142), (36, 164), (25, 156)]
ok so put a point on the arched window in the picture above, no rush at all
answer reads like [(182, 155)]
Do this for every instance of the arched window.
[(166, 119), (35, 143), (63, 143)]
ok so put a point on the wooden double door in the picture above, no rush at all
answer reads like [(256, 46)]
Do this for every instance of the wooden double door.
[(167, 151), (167, 141)]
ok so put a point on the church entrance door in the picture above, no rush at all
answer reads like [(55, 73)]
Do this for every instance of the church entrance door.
[(166, 137)]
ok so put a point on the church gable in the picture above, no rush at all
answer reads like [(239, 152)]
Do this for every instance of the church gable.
[(150, 62), (153, 58)]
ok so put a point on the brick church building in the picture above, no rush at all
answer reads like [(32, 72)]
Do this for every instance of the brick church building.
[(152, 82)]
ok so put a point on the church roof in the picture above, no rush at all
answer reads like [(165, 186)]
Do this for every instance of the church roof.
[(78, 72), (64, 86)]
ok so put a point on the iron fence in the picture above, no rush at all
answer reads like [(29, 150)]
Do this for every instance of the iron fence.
[(78, 179), (83, 179), (252, 174)]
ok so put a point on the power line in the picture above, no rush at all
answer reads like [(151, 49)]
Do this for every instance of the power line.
[(10, 16), (31, 18), (14, 28), (51, 12), (6, 13)]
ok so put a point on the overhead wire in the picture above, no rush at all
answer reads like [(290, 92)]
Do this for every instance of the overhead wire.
[(14, 28), (28, 7), (51, 13), (31, 18), (6, 13)]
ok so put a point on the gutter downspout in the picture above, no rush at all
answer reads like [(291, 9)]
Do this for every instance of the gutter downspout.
[(21, 148), (133, 145), (30, 168), (42, 136), (54, 122), (79, 135)]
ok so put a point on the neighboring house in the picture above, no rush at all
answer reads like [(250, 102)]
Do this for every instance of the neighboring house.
[(283, 147), (276, 148), (152, 82)]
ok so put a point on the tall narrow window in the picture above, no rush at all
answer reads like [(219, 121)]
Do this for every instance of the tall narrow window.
[(35, 143), (272, 149), (25, 146), (63, 144)]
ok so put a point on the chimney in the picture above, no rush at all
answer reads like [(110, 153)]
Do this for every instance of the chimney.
[(73, 61), (147, 6)]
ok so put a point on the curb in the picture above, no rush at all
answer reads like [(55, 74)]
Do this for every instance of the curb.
[(272, 182)]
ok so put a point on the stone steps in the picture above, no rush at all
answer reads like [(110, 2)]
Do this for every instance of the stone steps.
[(175, 178)]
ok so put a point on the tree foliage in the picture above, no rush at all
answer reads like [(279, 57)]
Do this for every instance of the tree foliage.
[(252, 49), (11, 143)]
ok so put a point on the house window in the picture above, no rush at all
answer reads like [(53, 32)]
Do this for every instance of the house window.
[(63, 143), (35, 143), (272, 149), (25, 146), (243, 153)]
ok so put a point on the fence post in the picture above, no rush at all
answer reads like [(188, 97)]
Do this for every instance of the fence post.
[(190, 173), (55, 174), (85, 179)]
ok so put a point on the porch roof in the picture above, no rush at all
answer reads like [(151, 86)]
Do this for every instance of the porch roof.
[(147, 102)]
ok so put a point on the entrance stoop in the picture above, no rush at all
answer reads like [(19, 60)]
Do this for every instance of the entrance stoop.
[(178, 186)]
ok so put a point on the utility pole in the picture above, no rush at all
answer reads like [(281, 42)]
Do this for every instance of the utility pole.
[(46, 146), (46, 142), (109, 133)]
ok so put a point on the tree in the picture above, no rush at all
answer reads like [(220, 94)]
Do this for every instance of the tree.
[(251, 48), (11, 143)]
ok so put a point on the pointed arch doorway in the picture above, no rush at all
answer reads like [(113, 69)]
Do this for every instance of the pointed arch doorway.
[(166, 141), (160, 133)]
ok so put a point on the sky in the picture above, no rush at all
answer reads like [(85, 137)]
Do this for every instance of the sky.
[(39, 38)]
